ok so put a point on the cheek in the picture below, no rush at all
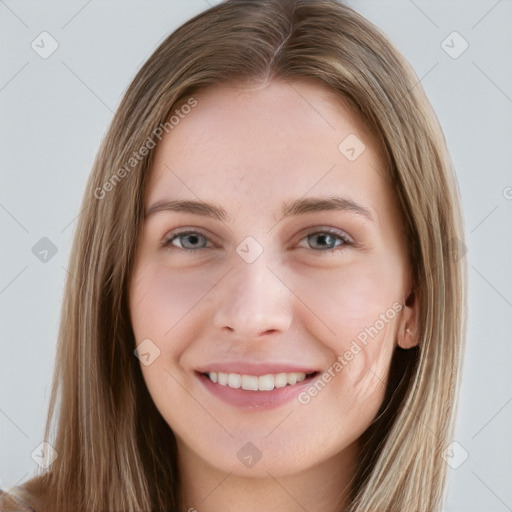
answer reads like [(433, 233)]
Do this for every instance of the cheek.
[(162, 298), (162, 301), (351, 299), (356, 315)]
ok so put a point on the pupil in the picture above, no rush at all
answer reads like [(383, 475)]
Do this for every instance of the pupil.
[(192, 239), (325, 239)]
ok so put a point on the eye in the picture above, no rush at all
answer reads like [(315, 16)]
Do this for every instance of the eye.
[(187, 240), (326, 240)]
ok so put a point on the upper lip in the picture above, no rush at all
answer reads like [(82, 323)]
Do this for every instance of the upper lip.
[(256, 369)]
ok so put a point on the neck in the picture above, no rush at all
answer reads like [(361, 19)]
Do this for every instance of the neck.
[(321, 488)]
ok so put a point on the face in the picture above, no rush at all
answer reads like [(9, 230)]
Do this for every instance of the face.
[(270, 280)]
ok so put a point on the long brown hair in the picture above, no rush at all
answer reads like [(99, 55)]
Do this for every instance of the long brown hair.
[(115, 451)]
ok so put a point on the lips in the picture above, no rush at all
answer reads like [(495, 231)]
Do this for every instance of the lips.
[(255, 368), (256, 386)]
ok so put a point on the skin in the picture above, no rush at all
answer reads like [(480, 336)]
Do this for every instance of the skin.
[(251, 149)]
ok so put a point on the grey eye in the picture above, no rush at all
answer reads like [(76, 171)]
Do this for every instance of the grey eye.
[(190, 241), (323, 240)]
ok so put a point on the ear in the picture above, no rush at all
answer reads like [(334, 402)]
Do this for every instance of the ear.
[(408, 330)]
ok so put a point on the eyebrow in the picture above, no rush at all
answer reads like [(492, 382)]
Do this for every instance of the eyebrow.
[(297, 207), (196, 207), (302, 206)]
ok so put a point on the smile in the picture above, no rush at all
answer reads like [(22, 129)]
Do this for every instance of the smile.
[(256, 383)]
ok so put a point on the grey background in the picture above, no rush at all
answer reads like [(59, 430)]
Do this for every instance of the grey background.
[(54, 112)]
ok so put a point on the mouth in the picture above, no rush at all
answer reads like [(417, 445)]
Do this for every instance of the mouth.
[(267, 382), (256, 392)]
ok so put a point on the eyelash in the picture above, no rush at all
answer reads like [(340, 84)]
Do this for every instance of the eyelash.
[(345, 239)]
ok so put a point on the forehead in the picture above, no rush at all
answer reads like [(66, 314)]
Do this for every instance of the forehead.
[(265, 144)]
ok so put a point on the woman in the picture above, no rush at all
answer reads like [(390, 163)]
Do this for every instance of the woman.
[(264, 307)]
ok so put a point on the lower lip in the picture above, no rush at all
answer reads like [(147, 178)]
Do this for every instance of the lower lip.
[(261, 400)]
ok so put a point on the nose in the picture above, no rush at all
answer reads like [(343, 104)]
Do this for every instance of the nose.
[(253, 301)]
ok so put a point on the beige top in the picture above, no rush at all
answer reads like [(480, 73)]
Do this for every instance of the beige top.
[(11, 503)]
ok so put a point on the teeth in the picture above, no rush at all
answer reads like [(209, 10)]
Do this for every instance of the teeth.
[(250, 382), (266, 383), (280, 380), (253, 383), (234, 380)]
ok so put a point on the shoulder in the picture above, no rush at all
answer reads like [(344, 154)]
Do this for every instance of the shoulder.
[(9, 502)]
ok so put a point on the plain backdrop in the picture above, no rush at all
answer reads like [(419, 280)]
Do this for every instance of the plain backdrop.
[(56, 108)]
